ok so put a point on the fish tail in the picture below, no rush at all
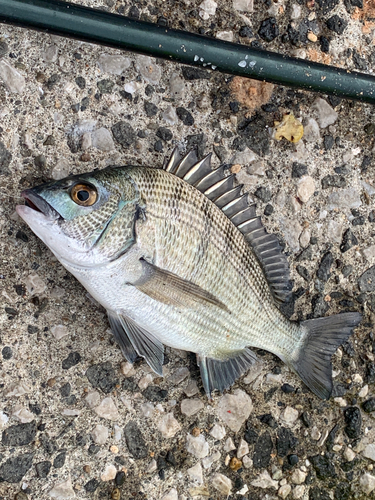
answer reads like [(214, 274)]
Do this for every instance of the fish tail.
[(322, 338)]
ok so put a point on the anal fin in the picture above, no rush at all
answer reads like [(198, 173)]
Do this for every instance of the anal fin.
[(121, 337), (222, 373), (144, 343)]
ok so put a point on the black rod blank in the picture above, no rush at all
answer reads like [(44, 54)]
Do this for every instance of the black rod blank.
[(95, 26)]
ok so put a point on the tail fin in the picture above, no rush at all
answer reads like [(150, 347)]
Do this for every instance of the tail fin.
[(324, 336)]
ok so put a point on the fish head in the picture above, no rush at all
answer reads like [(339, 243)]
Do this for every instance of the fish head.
[(84, 219)]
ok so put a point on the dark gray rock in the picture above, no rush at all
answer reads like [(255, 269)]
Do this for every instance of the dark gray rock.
[(263, 449), (303, 272), (369, 405), (323, 466), (256, 134), (353, 420), (285, 441), (49, 446), (306, 419), (269, 420), (269, 29), (129, 384), (318, 494), (366, 282), (7, 352), (151, 109), (349, 240), (72, 360), (3, 49), (91, 485), (319, 305), (134, 440), (5, 159), (105, 86), (154, 393), (65, 390), (19, 435), (59, 460), (13, 470), (164, 133), (336, 24), (323, 272), (197, 142), (330, 441), (124, 134), (191, 73), (185, 116), (102, 376), (251, 435), (81, 82), (43, 468), (327, 5), (333, 181), (263, 194), (328, 142)]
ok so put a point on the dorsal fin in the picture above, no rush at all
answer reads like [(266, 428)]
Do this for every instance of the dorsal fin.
[(219, 188)]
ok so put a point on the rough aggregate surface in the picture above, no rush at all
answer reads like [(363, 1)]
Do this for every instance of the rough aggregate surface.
[(77, 420)]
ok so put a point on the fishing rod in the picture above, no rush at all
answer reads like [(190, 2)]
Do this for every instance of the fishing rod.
[(112, 30)]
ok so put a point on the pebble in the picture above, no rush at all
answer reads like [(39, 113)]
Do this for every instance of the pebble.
[(218, 432), (344, 199), (16, 389), (225, 35), (168, 426), (107, 409), (229, 445), (179, 375), (171, 495), (369, 452), (177, 85), (92, 399), (102, 139), (289, 416), (190, 407), (206, 9), (19, 435), (134, 440), (349, 454), (150, 71), (145, 381), (353, 420), (295, 11), (62, 491), (102, 376), (170, 115), (334, 231), (367, 483), (311, 132), (304, 238), (299, 491), (197, 446), (35, 285), (264, 480), (14, 469), (191, 389), (247, 462), (12, 78), (152, 466), (147, 410), (195, 473), (127, 368), (234, 409), (305, 188), (109, 473), (113, 64), (22, 414), (243, 5), (369, 253), (208, 461), (284, 490), (3, 420), (60, 170), (221, 483), (326, 115), (243, 449), (51, 53), (100, 434), (59, 331), (291, 230), (298, 476)]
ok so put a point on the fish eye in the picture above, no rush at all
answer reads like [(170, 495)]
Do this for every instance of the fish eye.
[(84, 195)]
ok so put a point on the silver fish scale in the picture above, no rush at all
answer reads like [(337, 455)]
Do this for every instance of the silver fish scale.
[(195, 240)]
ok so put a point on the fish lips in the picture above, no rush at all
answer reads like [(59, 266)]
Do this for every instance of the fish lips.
[(38, 204)]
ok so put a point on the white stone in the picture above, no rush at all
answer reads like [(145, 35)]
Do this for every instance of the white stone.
[(127, 368), (229, 445), (109, 473), (197, 446), (344, 199), (296, 11), (243, 449), (264, 480), (254, 371), (147, 409), (107, 409), (92, 399), (16, 389), (118, 433), (50, 54), (3, 420), (168, 426), (369, 452), (243, 5), (326, 114), (221, 483), (195, 473), (12, 78), (369, 253), (357, 379), (367, 483), (102, 139), (190, 407), (176, 85), (208, 461), (234, 409), (305, 237), (34, 284), (60, 170), (299, 491), (152, 467), (145, 381), (59, 331), (217, 431), (171, 495), (191, 389), (150, 71), (349, 455), (363, 392), (334, 231), (273, 378), (170, 115), (289, 416), (207, 8), (305, 188), (291, 230), (243, 158), (247, 462), (311, 132), (179, 375), (22, 414), (298, 477), (86, 141), (132, 87), (284, 490), (225, 35), (100, 434), (113, 64), (62, 491)]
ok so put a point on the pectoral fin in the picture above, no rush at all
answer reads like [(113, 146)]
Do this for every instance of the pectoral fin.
[(167, 287)]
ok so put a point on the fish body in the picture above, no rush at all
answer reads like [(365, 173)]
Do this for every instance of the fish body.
[(178, 257)]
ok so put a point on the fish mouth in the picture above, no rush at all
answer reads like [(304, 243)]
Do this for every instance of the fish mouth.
[(37, 203)]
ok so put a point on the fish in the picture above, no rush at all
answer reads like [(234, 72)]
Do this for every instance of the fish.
[(178, 257)]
